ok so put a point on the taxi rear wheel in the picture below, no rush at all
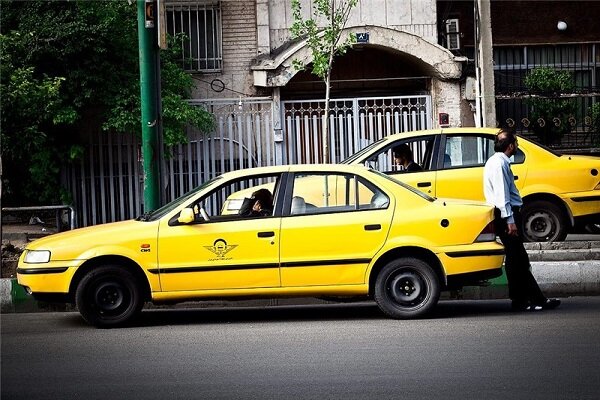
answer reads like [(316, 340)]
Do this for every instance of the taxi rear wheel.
[(108, 296), (543, 221), (407, 288)]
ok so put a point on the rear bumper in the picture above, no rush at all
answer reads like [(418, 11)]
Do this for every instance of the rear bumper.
[(472, 278)]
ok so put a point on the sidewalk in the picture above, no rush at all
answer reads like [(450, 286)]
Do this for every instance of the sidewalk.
[(561, 269)]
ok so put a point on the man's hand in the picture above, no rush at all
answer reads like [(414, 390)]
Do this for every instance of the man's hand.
[(511, 229)]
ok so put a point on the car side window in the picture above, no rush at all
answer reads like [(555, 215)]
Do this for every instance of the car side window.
[(518, 158), (322, 193), (237, 199), (466, 151), (421, 148)]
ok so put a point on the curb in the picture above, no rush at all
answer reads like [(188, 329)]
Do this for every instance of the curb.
[(556, 279)]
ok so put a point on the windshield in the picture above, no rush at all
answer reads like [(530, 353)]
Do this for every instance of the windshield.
[(167, 208), (359, 154), (404, 185)]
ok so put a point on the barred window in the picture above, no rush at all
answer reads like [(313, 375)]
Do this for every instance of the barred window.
[(200, 21)]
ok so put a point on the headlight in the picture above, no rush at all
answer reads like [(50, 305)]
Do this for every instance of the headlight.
[(37, 256)]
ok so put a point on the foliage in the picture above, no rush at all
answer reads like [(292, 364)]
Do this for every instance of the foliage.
[(323, 42), (549, 111), (594, 112), (70, 69)]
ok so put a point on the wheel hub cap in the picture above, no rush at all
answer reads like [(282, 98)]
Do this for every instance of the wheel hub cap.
[(109, 296)]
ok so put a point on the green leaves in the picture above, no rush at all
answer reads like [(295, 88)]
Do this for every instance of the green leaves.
[(549, 111), (71, 69), (546, 80), (323, 42)]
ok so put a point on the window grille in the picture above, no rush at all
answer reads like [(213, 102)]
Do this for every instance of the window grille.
[(200, 22), (452, 34)]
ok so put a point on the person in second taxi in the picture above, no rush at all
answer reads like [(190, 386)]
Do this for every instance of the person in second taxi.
[(403, 155), (500, 191)]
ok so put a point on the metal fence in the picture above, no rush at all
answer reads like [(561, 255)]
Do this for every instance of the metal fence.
[(107, 185), (515, 103), (353, 124)]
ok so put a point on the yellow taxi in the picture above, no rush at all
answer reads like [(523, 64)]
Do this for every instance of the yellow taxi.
[(560, 192), (381, 239)]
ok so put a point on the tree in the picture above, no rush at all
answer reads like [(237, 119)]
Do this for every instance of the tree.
[(324, 43), (68, 68)]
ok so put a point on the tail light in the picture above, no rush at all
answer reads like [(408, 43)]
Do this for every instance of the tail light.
[(488, 234)]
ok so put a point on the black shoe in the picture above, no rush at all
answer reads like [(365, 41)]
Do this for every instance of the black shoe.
[(549, 304)]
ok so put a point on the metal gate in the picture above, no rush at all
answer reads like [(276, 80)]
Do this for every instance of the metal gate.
[(107, 184), (352, 124)]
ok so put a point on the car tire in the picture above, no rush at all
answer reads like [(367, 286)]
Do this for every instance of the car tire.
[(108, 296), (407, 288), (543, 221)]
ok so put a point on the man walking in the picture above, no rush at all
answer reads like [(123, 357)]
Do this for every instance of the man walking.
[(500, 190)]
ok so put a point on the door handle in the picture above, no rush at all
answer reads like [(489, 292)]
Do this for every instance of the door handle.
[(516, 177), (265, 234), (373, 227), (423, 184)]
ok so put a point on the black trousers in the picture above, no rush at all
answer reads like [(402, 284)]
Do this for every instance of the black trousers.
[(522, 286)]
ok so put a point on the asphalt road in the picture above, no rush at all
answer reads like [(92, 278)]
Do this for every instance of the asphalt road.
[(466, 350)]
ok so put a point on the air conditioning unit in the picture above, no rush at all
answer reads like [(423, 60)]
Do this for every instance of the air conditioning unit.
[(452, 34)]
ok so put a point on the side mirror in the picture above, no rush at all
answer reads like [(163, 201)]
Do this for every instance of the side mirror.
[(186, 216)]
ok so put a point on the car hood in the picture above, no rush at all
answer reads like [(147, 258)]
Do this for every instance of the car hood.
[(66, 245)]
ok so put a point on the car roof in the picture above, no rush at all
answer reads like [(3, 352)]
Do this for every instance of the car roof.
[(295, 168), (446, 131)]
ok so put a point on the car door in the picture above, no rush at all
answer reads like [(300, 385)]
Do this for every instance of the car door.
[(460, 163), (332, 227), (223, 252)]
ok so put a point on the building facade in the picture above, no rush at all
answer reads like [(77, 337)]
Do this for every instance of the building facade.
[(416, 66)]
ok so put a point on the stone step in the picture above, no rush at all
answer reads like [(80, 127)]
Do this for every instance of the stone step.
[(576, 244)]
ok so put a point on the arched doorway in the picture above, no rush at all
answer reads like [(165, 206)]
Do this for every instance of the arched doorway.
[(380, 87)]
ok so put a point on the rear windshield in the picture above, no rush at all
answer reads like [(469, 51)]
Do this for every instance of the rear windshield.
[(404, 185)]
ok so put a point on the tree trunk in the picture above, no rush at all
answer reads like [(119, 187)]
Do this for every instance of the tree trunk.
[(326, 158)]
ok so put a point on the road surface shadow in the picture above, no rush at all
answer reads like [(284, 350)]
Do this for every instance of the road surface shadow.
[(311, 312)]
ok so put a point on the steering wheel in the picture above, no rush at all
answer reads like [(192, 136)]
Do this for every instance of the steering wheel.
[(204, 214)]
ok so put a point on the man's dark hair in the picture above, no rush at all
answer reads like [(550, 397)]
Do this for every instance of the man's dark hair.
[(403, 151), (504, 138)]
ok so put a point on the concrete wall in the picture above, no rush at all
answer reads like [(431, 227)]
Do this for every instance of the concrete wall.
[(413, 16), (260, 29)]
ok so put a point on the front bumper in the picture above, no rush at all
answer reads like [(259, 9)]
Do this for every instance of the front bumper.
[(52, 277)]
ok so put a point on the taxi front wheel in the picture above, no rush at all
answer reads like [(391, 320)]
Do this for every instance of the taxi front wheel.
[(108, 296), (407, 288)]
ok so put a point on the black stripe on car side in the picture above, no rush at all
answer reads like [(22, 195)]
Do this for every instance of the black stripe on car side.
[(324, 263), (35, 271), (475, 253), (210, 268), (586, 198), (256, 266)]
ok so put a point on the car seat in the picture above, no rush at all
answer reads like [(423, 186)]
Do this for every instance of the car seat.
[(379, 200), (298, 205)]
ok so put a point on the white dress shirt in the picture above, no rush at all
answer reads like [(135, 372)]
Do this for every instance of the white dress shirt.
[(499, 186)]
